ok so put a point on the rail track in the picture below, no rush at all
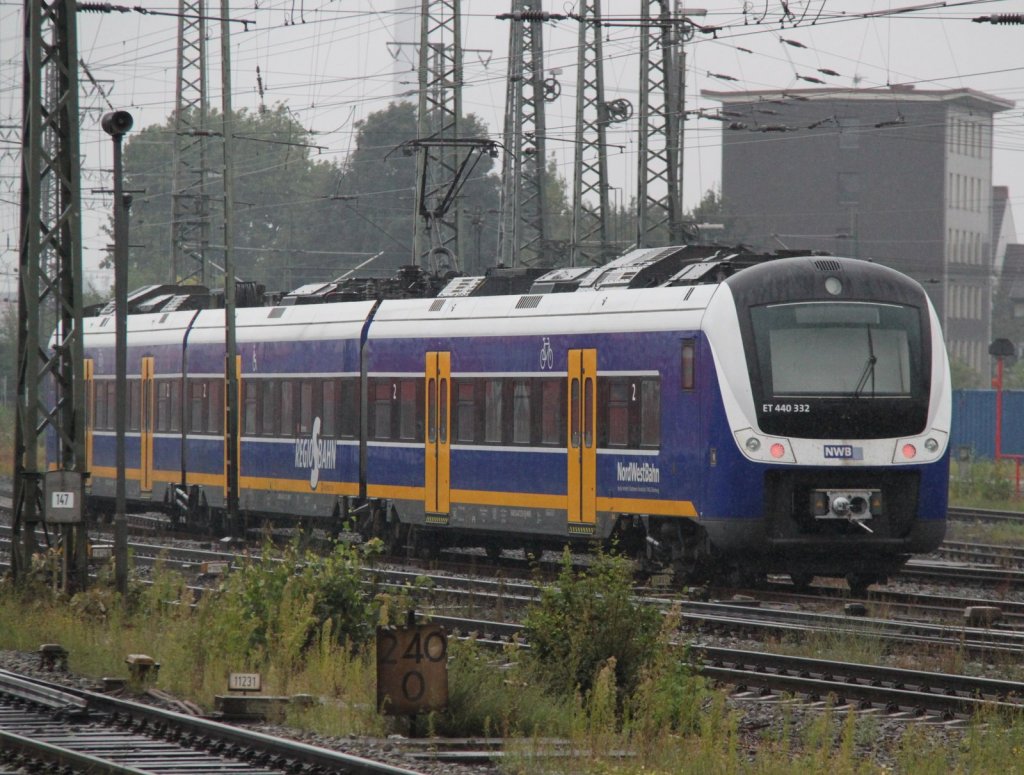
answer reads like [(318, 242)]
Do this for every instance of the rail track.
[(896, 690), (89, 733), (971, 514)]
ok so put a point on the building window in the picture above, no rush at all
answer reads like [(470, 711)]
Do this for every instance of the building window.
[(849, 187), (849, 132)]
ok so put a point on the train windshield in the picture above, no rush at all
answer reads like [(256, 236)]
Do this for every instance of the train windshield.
[(838, 350)]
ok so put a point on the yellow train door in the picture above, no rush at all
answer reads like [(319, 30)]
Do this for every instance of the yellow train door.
[(90, 411), (582, 441), (437, 480), (146, 423)]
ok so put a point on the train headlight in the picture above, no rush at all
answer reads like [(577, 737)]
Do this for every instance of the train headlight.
[(909, 451), (777, 450), (931, 444), (833, 285), (753, 444)]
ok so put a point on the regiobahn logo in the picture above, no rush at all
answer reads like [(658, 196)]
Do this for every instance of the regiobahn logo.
[(315, 454)]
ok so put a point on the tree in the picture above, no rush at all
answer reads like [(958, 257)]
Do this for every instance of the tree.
[(377, 192), (299, 219)]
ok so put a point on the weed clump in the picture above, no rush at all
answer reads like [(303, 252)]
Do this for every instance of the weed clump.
[(587, 620)]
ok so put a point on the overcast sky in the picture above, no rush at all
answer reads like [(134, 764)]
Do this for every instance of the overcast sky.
[(333, 62)]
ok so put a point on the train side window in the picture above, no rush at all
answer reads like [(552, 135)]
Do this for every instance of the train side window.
[(163, 405), (465, 410), (574, 413), (287, 428), (521, 411), (442, 417), (348, 407), (552, 412), (615, 429), (588, 413), (650, 413), (250, 402), (268, 418), (134, 403), (196, 405), (688, 359), (305, 407), (492, 411), (410, 425), (99, 413), (215, 404), (174, 421), (432, 410), (330, 406), (383, 390)]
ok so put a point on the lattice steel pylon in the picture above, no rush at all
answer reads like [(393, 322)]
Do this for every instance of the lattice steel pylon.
[(590, 171), (190, 219), (659, 194), (51, 395), (524, 238), (438, 117)]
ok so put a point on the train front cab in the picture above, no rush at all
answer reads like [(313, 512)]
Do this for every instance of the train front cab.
[(838, 423)]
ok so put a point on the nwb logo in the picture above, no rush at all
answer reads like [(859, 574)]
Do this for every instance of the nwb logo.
[(843, 452)]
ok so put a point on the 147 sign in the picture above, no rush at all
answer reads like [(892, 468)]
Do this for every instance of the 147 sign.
[(412, 669)]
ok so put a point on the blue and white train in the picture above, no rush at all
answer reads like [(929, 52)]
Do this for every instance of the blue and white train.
[(707, 410)]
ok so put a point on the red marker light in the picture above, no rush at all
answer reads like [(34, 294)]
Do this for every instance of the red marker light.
[(777, 450), (909, 451)]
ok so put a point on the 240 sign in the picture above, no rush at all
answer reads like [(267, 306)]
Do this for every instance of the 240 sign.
[(412, 669)]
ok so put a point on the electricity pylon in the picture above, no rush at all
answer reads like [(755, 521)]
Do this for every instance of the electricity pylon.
[(51, 394), (524, 238), (190, 218), (590, 171), (438, 241)]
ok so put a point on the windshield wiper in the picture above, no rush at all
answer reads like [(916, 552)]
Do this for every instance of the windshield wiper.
[(869, 369)]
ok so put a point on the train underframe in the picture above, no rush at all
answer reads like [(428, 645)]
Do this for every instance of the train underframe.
[(730, 551)]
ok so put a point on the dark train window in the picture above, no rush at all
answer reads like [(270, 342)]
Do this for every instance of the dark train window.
[(383, 391), (287, 404), (552, 421), (134, 404), (250, 403), (168, 405), (629, 412), (215, 404), (100, 411), (306, 399), (650, 413), (268, 404), (521, 411), (617, 394), (687, 364), (410, 425), (442, 418), (492, 410), (163, 405), (330, 407), (348, 408), (465, 410), (174, 423), (196, 405)]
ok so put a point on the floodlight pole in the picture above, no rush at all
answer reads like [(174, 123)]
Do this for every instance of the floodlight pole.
[(116, 124)]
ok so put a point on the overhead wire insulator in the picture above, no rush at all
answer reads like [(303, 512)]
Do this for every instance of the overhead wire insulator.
[(1001, 18)]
